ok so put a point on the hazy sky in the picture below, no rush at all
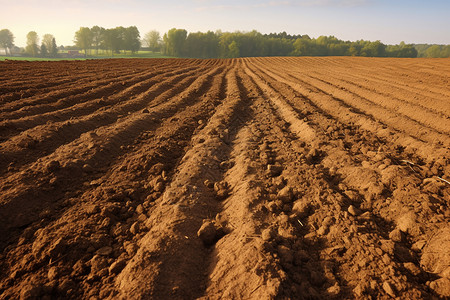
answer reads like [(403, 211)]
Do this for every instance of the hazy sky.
[(391, 21)]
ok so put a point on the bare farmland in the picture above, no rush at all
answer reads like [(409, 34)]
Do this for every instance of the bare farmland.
[(247, 178)]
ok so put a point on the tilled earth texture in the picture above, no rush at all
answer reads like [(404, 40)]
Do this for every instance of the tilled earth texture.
[(258, 178)]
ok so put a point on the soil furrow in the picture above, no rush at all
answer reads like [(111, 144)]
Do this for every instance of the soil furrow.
[(181, 273), (372, 110), (54, 85), (45, 138), (73, 108), (67, 96), (89, 148), (376, 223), (333, 106), (406, 108), (149, 163), (432, 103)]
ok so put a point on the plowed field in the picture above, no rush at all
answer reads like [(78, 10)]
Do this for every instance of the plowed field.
[(258, 178)]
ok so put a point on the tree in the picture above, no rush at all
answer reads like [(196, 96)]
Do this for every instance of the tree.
[(6, 40), (152, 40), (114, 39), (98, 36), (32, 47), (374, 49), (48, 40), (83, 39), (131, 39), (174, 40), (201, 45), (110, 39), (44, 50), (54, 49), (233, 49), (401, 50), (433, 51)]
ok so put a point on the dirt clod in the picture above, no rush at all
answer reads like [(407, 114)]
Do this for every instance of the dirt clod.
[(117, 266), (396, 235), (274, 170), (104, 251), (353, 210), (388, 289), (207, 233)]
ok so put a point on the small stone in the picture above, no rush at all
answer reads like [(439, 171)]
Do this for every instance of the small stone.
[(157, 169), (117, 266), (98, 263), (373, 284), (312, 155), (322, 230), (142, 218), (272, 206), (225, 165), (221, 188), (130, 248), (407, 222), (274, 170), (301, 207), (396, 235), (208, 183), (53, 273), (334, 290), (412, 268), (418, 246), (285, 194), (105, 251), (386, 259), (159, 186), (388, 289), (92, 209), (140, 209), (352, 195), (353, 210), (207, 233), (379, 251), (134, 229), (328, 221), (267, 234)]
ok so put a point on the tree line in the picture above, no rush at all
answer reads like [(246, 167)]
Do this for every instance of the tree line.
[(426, 50), (111, 39), (47, 48), (218, 44), (177, 42)]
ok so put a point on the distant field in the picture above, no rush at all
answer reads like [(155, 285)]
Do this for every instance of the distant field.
[(2, 58), (101, 54)]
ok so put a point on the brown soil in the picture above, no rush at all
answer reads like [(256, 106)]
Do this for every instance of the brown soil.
[(258, 178)]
